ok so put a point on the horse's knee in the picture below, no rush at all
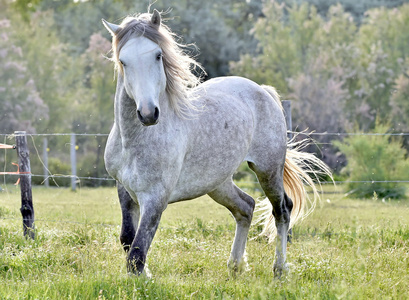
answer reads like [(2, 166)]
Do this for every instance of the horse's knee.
[(244, 213)]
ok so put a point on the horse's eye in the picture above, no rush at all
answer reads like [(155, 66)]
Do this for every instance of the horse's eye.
[(122, 63), (158, 56)]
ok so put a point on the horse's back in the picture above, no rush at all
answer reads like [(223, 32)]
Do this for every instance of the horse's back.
[(261, 103)]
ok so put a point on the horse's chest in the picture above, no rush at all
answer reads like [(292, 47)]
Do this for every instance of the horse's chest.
[(132, 168), (116, 159), (113, 160)]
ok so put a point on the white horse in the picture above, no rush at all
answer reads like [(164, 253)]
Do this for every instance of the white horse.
[(175, 139)]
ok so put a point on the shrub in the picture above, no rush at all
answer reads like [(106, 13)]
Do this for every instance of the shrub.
[(57, 167), (375, 158), (89, 166)]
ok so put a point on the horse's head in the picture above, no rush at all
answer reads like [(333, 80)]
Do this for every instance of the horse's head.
[(151, 63), (139, 60)]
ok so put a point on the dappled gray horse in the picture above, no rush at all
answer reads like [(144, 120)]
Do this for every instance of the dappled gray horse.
[(175, 139)]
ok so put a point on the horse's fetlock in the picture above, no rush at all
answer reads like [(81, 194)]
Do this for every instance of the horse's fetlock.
[(135, 266), (280, 269), (236, 267)]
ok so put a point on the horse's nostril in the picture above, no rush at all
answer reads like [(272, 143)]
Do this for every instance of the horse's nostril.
[(139, 115), (156, 114), (150, 119)]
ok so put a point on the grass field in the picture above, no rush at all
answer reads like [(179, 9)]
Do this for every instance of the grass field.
[(347, 249)]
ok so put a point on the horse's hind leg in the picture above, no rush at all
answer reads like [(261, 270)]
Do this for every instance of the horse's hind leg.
[(272, 184), (241, 206), (130, 217)]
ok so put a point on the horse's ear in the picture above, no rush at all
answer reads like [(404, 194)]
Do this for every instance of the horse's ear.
[(155, 20), (112, 28)]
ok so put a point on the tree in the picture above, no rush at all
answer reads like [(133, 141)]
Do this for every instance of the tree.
[(22, 107), (218, 29), (339, 73), (300, 50), (355, 8), (95, 109), (56, 73)]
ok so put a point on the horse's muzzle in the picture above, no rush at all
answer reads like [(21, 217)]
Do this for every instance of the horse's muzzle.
[(149, 119)]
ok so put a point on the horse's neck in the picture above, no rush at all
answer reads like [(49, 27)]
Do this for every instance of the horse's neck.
[(125, 111)]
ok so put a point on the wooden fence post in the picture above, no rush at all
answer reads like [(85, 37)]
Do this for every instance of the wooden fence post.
[(73, 163), (45, 162), (27, 209)]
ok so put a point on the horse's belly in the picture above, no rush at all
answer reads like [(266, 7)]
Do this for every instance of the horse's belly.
[(217, 150)]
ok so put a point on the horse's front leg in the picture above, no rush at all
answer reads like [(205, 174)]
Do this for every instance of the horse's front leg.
[(151, 212), (130, 217)]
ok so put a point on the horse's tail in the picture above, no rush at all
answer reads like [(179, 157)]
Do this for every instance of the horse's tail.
[(273, 93), (301, 169)]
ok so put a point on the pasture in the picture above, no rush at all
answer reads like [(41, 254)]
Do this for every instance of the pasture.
[(347, 249)]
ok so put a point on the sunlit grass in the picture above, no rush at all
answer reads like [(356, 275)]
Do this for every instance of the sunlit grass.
[(350, 249)]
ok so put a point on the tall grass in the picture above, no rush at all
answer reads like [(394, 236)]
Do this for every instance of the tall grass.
[(350, 249)]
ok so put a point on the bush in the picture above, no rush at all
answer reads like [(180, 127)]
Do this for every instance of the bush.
[(88, 166), (375, 158), (57, 167)]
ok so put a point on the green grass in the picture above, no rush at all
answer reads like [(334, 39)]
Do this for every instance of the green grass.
[(347, 249)]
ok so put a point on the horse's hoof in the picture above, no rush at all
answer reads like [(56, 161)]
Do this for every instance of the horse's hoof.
[(281, 270), (144, 274), (236, 269)]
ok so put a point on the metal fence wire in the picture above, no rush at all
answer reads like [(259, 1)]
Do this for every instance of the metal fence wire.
[(74, 177)]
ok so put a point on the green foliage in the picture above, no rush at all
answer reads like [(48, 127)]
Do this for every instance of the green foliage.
[(219, 29), (25, 7), (3, 211), (22, 106), (333, 66), (309, 57), (356, 8), (400, 103), (375, 158), (290, 39), (329, 56), (57, 167)]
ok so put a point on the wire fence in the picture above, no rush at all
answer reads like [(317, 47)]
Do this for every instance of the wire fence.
[(295, 133), (111, 179), (9, 137)]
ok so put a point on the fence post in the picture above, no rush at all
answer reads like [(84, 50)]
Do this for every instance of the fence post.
[(287, 114), (27, 209), (73, 163), (45, 162)]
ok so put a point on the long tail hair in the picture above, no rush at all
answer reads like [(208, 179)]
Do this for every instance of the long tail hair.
[(301, 169)]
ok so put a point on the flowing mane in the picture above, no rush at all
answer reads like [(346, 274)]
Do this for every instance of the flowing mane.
[(178, 65)]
